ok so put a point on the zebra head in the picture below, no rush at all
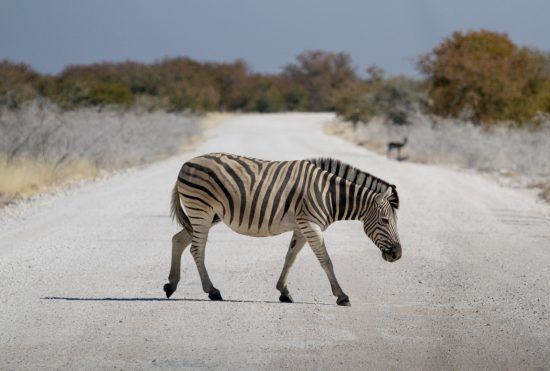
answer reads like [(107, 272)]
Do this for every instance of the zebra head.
[(380, 224)]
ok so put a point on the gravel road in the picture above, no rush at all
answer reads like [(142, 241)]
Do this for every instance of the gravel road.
[(81, 274)]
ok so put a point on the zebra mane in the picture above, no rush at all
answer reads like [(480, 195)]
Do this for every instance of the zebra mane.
[(356, 176)]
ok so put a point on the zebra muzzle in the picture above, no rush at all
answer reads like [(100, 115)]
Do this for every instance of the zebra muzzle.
[(392, 254)]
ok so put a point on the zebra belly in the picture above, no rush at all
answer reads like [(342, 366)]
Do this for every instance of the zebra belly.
[(287, 224)]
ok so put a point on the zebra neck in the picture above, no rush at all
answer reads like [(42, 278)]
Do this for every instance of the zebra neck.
[(349, 200)]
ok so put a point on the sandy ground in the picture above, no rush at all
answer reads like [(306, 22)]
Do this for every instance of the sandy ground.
[(81, 275)]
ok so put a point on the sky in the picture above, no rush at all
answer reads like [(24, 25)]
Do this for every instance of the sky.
[(51, 34)]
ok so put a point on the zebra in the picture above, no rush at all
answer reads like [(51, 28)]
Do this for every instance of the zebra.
[(266, 198)]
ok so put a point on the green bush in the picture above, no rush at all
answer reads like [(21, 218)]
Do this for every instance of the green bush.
[(103, 94)]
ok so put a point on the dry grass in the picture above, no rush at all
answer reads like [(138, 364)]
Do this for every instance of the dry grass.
[(42, 147), (26, 177)]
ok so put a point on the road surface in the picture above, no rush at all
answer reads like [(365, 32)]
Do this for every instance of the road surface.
[(81, 274)]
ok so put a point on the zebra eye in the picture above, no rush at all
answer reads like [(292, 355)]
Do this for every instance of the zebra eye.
[(385, 220)]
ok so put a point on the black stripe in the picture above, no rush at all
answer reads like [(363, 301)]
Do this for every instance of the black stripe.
[(342, 197), (268, 192), (317, 188), (247, 169), (196, 199), (258, 163), (308, 172), (351, 194), (214, 176), (356, 175), (346, 172), (308, 175), (358, 205), (256, 194), (324, 197), (332, 192), (309, 213), (311, 196), (239, 183), (328, 198), (292, 191), (193, 208), (199, 187), (279, 193)]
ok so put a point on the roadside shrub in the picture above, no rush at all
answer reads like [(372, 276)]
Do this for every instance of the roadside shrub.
[(500, 148), (175, 85), (42, 145), (393, 99), (110, 94), (17, 84), (484, 76), (353, 104), (322, 75)]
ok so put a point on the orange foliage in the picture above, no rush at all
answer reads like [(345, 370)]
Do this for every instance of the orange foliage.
[(484, 75)]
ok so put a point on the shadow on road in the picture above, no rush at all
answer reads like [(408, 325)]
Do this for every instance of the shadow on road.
[(165, 299)]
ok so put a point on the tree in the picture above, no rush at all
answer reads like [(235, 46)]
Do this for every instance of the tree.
[(322, 74), (392, 98), (485, 75), (18, 83)]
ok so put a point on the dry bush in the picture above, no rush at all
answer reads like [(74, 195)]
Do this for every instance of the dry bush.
[(41, 145), (503, 148)]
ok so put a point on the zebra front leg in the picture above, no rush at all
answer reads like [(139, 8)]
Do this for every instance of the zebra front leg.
[(314, 237), (296, 244), (198, 244), (179, 242)]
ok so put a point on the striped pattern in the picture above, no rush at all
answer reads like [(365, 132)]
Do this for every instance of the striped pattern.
[(266, 198)]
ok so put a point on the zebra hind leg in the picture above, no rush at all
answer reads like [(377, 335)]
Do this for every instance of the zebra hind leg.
[(180, 241), (198, 244), (296, 244)]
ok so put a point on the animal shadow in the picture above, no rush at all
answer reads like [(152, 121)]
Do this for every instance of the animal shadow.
[(138, 299)]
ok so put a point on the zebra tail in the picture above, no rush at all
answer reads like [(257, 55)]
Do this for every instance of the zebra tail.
[(176, 211)]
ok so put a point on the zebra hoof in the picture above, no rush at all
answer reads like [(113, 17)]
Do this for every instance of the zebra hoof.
[(215, 295), (343, 301), (168, 290), (286, 299)]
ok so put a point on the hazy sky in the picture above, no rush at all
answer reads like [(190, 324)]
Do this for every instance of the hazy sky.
[(50, 34)]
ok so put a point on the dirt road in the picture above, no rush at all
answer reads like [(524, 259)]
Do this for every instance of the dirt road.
[(81, 275)]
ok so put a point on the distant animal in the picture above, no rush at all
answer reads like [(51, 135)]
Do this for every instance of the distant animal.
[(397, 146), (266, 198)]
